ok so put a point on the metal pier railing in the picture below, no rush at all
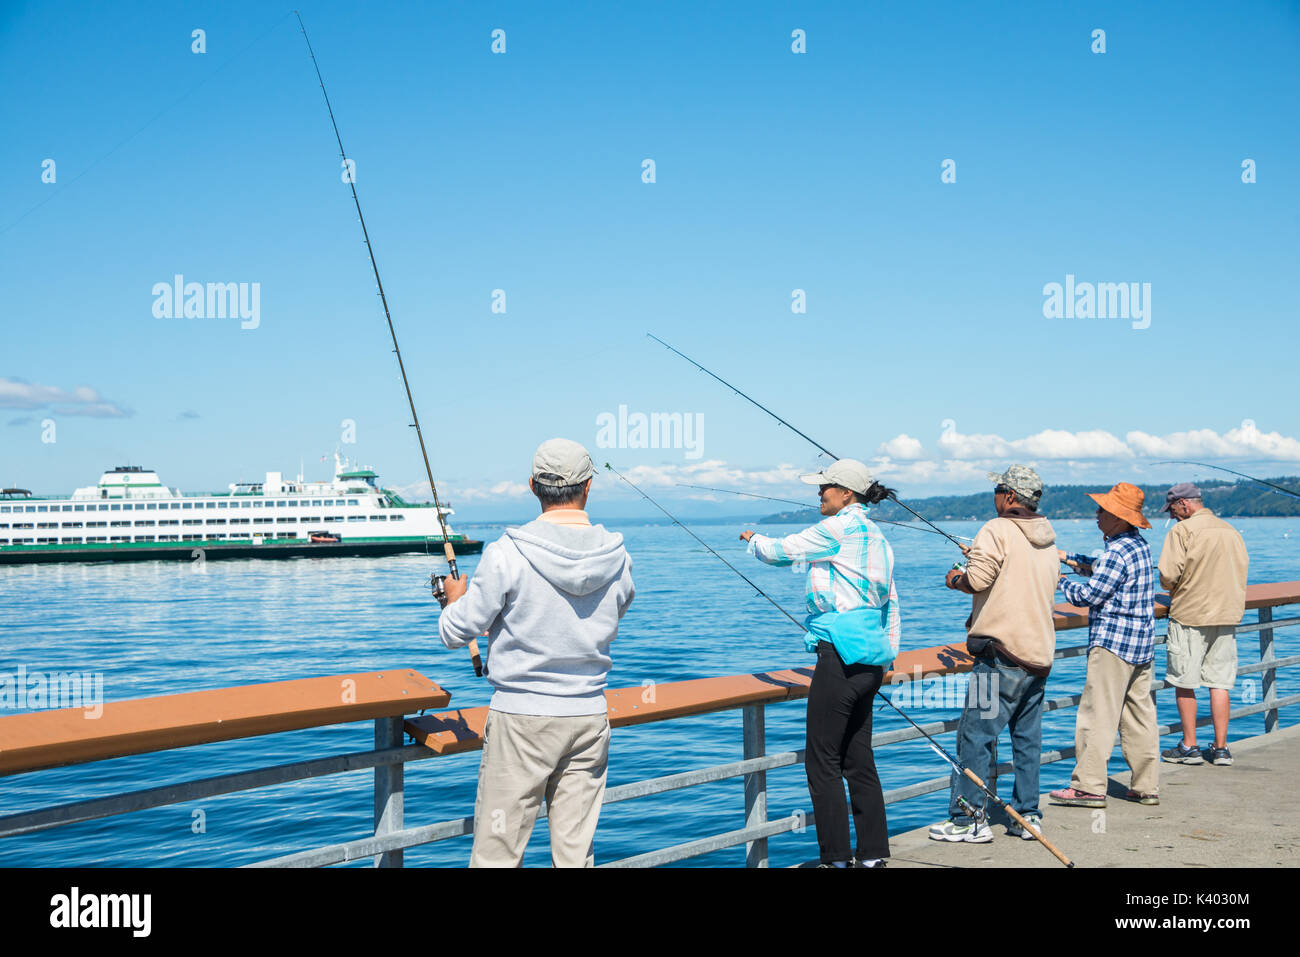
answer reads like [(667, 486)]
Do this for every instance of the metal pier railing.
[(35, 741)]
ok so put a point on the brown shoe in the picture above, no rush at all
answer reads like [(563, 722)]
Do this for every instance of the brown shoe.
[(1142, 798)]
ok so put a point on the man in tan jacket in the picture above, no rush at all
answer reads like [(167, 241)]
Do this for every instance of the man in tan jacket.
[(1203, 564), (1012, 570)]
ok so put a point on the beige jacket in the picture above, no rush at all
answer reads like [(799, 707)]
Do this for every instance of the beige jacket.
[(1013, 569), (1203, 564)]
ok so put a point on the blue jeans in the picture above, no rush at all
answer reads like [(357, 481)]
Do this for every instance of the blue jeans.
[(1000, 695)]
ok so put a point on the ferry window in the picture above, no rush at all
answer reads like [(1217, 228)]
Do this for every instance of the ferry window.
[(216, 521), (72, 525), (115, 508), (187, 504), (379, 518), (356, 518), (315, 502), (103, 508), (223, 505), (79, 508), (281, 503), (4, 508), (153, 506), (282, 521), (209, 504), (47, 524), (68, 508), (397, 518), (263, 521), (353, 501), (43, 508)]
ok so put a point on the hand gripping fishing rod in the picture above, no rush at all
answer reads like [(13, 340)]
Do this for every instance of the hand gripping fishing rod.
[(450, 554), (802, 435), (935, 745), (786, 501)]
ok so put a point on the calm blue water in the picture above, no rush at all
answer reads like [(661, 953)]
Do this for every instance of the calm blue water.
[(163, 628)]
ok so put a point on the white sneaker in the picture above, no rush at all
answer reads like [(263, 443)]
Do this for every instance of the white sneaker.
[(969, 833), (1035, 821)]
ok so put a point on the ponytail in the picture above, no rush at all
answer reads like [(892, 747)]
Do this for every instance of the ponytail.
[(876, 493)]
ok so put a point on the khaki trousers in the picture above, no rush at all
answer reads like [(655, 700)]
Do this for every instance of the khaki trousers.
[(530, 757), (1116, 695)]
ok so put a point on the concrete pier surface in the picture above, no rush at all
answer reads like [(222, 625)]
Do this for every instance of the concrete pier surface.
[(1246, 815)]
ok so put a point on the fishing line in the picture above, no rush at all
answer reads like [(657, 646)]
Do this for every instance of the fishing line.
[(938, 748), (769, 498), (449, 553), (1205, 465), (893, 498)]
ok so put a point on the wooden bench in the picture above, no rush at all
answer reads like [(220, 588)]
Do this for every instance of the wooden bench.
[(48, 739)]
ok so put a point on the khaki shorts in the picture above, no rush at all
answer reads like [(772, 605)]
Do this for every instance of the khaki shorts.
[(1201, 656)]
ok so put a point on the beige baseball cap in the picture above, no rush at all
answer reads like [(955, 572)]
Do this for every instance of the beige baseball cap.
[(560, 462), (846, 473)]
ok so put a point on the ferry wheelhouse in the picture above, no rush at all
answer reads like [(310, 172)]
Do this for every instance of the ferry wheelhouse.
[(131, 506)]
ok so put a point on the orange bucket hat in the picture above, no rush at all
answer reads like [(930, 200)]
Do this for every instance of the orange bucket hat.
[(1123, 501)]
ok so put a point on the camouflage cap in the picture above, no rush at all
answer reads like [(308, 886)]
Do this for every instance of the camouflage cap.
[(1022, 480)]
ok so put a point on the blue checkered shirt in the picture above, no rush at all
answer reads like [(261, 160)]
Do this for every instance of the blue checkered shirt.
[(1120, 596)]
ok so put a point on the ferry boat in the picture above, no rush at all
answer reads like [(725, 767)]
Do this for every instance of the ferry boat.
[(131, 516)]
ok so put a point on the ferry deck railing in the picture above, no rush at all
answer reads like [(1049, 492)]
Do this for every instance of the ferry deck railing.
[(39, 740)]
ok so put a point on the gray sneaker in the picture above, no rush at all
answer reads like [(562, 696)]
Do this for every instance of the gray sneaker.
[(1183, 755), (1014, 829), (970, 833), (1220, 756)]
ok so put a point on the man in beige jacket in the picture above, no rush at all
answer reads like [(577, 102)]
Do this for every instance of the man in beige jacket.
[(1203, 564), (1012, 570)]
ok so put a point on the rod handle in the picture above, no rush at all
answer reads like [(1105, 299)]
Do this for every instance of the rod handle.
[(1020, 820)]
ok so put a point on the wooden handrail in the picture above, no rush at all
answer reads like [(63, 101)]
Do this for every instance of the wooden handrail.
[(48, 739)]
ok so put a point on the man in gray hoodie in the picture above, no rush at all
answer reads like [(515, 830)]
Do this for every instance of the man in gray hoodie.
[(549, 596)]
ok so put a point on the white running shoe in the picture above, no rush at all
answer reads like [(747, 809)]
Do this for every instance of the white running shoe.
[(969, 833)]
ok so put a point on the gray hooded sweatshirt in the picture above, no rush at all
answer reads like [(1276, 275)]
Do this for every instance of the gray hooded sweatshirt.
[(549, 597)]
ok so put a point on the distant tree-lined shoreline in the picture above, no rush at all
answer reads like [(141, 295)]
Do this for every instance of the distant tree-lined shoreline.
[(1242, 499)]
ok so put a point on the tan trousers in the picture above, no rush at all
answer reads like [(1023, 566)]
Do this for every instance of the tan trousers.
[(1116, 694), (530, 757)]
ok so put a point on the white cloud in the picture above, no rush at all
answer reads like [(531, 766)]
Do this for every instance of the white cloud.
[(902, 447), (1048, 444), (1244, 441), (82, 400)]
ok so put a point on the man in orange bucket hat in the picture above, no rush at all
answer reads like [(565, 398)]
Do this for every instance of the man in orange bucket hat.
[(1119, 594)]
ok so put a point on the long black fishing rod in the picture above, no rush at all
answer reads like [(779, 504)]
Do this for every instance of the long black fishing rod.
[(1257, 481), (786, 501), (802, 435), (448, 551), (938, 748)]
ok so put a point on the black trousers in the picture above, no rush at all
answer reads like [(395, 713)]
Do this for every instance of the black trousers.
[(838, 747)]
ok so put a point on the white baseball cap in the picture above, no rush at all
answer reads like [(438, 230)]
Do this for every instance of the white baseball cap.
[(561, 462), (846, 473)]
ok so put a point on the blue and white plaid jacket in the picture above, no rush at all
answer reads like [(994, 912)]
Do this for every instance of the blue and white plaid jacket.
[(1120, 596), (850, 565)]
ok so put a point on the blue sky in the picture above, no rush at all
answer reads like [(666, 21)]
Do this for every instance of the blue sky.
[(774, 171)]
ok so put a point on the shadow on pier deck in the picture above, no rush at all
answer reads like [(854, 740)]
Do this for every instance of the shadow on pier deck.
[(1246, 815)]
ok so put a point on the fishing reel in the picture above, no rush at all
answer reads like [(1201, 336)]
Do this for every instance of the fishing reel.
[(976, 815), (439, 590)]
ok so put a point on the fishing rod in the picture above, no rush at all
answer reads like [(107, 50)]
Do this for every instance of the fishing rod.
[(1205, 465), (436, 581), (935, 745), (809, 438), (878, 521)]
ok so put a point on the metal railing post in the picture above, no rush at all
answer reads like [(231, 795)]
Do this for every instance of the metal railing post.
[(389, 794), (992, 781), (1270, 674), (755, 784)]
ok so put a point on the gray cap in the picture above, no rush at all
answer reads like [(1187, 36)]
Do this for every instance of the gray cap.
[(560, 462), (1022, 480), (846, 473), (1181, 490)]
